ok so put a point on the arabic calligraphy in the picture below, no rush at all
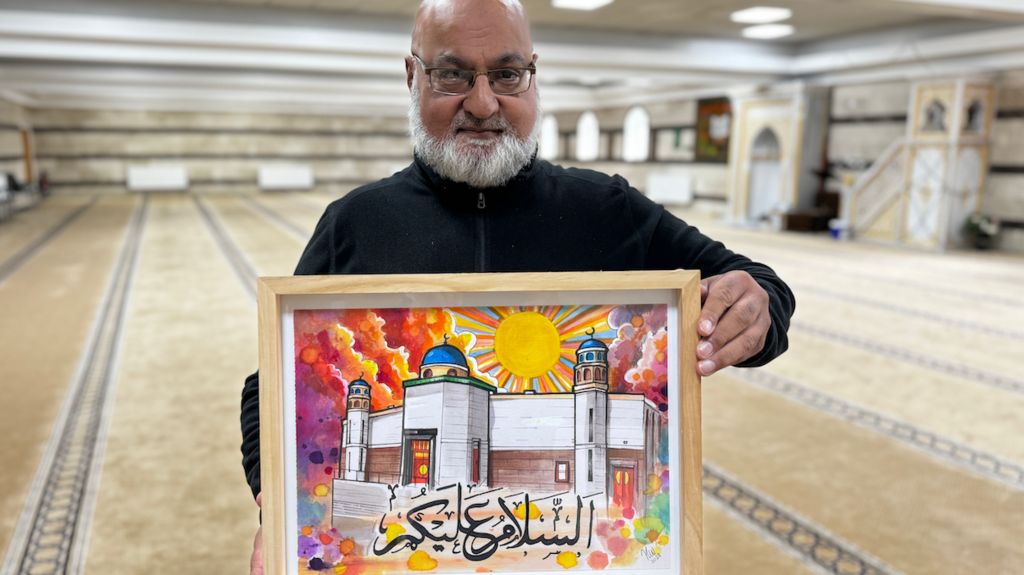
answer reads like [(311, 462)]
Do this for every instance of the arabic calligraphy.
[(476, 526)]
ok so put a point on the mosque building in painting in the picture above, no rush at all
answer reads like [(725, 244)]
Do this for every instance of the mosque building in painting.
[(456, 428)]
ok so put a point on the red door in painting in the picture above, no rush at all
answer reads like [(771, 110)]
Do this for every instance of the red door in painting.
[(421, 461), (625, 478)]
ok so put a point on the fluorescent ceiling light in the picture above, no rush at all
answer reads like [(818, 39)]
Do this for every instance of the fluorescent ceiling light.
[(580, 4), (768, 31), (761, 15)]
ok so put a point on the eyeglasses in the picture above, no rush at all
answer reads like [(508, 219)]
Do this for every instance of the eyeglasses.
[(459, 81)]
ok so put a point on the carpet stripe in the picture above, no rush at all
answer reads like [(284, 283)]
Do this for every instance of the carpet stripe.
[(813, 543), (879, 304), (918, 359), (19, 259), (49, 533), (935, 445), (243, 268), (831, 270), (303, 235)]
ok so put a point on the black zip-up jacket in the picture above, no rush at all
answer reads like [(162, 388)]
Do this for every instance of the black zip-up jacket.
[(548, 218)]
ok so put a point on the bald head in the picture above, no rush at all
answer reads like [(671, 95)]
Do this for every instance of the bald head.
[(442, 17)]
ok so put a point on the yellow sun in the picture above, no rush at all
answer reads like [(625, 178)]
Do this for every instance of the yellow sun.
[(530, 348), (527, 344)]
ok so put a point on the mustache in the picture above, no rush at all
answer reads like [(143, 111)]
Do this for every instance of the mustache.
[(463, 120)]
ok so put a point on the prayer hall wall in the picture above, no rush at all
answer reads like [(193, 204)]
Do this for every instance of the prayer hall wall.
[(91, 150), (1004, 197), (673, 128), (13, 120), (866, 118), (863, 121)]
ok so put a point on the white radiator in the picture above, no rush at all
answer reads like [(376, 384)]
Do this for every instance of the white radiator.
[(286, 177), (157, 179), (670, 188)]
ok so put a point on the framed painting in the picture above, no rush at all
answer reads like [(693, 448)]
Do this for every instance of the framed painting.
[(714, 125), (498, 423)]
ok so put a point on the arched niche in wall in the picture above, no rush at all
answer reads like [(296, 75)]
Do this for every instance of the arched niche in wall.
[(588, 138), (974, 117), (636, 135), (549, 140), (765, 175), (934, 117)]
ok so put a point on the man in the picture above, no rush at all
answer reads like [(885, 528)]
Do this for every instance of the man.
[(477, 200)]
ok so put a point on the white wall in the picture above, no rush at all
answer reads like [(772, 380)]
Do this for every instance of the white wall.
[(532, 422)]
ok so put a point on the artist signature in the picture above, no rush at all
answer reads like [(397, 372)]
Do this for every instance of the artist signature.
[(650, 554)]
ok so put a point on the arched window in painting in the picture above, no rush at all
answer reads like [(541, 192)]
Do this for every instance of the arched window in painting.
[(588, 138), (428, 373), (636, 135)]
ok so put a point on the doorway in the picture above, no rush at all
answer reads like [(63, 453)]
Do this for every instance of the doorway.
[(624, 485), (418, 458), (765, 176)]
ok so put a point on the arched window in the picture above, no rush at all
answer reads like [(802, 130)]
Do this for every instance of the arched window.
[(549, 143), (636, 135), (452, 372), (588, 138), (587, 374), (428, 372)]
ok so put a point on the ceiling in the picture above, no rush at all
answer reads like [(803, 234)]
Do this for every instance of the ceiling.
[(336, 56), (813, 19)]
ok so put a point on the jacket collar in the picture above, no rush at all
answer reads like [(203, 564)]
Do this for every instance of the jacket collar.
[(438, 184)]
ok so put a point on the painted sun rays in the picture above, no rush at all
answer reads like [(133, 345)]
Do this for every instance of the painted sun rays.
[(530, 348)]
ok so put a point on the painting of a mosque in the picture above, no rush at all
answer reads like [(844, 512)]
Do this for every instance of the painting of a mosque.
[(516, 439), (456, 428)]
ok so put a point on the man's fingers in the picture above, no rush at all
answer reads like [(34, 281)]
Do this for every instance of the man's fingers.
[(744, 346), (705, 287), (723, 292), (256, 562), (743, 314), (732, 323)]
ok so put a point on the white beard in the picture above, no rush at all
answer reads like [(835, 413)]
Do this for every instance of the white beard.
[(488, 163)]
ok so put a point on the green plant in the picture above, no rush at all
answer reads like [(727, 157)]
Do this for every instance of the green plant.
[(980, 230)]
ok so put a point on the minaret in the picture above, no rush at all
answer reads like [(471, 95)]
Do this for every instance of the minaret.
[(355, 430), (590, 386)]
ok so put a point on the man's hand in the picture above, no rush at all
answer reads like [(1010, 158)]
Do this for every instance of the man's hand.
[(256, 562), (733, 322)]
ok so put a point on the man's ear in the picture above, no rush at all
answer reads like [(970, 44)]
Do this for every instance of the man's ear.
[(410, 71)]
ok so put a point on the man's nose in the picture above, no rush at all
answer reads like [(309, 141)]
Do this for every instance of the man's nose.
[(481, 101)]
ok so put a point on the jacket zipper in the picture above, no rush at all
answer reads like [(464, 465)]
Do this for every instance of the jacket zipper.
[(481, 251)]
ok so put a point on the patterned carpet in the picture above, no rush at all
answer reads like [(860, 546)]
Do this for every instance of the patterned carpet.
[(888, 439)]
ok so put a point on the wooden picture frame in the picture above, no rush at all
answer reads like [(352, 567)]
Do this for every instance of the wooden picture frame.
[(381, 470)]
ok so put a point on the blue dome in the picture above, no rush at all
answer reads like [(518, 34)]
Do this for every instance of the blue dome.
[(592, 344), (359, 382), (445, 354)]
